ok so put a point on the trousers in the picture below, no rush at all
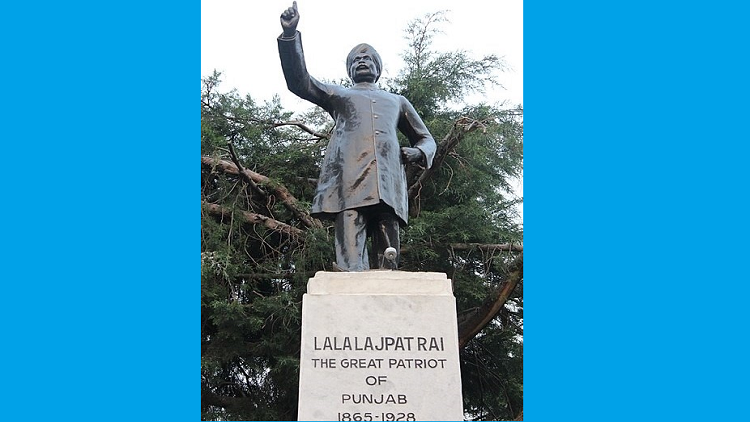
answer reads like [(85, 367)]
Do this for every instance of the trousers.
[(354, 226)]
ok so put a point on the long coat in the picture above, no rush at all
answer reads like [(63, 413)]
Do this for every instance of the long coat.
[(362, 165)]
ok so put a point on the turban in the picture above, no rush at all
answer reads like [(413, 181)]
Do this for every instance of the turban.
[(364, 49)]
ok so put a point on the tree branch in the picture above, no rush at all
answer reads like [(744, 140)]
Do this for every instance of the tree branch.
[(471, 323), (252, 218), (487, 247), (463, 126), (302, 126), (289, 201), (242, 173), (270, 123)]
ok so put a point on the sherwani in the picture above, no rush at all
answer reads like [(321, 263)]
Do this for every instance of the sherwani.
[(362, 164)]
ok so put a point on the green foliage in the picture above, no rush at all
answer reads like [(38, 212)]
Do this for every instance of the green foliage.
[(432, 79), (492, 366), (253, 277)]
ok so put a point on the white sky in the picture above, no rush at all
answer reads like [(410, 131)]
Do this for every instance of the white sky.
[(238, 38)]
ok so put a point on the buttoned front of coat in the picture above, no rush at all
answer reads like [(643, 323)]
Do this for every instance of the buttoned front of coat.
[(362, 164)]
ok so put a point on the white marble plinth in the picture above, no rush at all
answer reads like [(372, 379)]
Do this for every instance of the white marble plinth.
[(379, 346)]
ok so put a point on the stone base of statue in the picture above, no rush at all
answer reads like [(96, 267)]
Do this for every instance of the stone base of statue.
[(379, 346)]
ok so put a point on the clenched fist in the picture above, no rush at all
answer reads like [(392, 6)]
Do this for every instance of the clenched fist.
[(289, 21)]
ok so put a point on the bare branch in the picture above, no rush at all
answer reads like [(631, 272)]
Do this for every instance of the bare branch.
[(242, 173), (271, 123), (472, 322), (253, 218), (487, 247), (463, 126), (297, 123), (289, 201)]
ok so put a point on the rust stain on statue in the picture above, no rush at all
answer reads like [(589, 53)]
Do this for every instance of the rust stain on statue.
[(360, 179)]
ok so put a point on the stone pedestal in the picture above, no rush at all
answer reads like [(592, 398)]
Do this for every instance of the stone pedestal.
[(379, 346)]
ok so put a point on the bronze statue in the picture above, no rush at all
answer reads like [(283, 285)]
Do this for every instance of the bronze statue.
[(362, 183)]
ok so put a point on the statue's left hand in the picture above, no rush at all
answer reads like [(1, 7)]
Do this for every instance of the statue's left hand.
[(411, 155)]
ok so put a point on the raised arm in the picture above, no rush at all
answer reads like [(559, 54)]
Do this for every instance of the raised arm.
[(293, 62)]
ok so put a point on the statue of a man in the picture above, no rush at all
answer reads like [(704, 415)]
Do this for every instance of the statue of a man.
[(362, 183)]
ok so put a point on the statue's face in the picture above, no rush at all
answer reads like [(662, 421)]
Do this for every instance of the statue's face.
[(363, 68)]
